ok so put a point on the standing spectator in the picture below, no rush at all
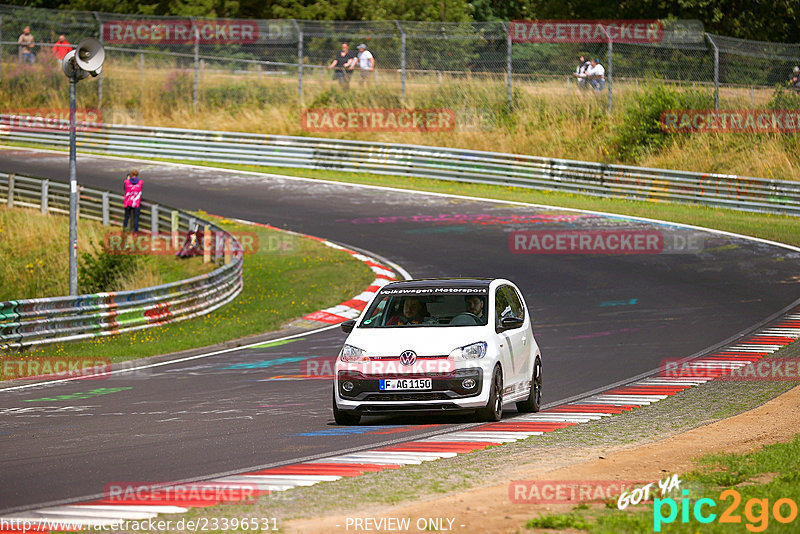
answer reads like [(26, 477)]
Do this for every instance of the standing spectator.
[(794, 81), (26, 43), (580, 72), (366, 64), (61, 48), (596, 75), (343, 64), (133, 199)]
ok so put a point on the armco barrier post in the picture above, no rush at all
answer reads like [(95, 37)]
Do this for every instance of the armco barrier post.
[(45, 190), (106, 218), (10, 199), (207, 244), (174, 230), (154, 218)]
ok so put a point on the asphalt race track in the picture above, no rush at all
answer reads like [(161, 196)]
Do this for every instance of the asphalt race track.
[(599, 318)]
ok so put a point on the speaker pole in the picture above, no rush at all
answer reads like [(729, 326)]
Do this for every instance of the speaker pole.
[(73, 191)]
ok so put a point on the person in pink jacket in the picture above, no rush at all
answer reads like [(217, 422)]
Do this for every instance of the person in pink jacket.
[(133, 199)]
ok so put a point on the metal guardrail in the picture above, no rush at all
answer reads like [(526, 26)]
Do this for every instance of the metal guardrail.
[(25, 323), (471, 166)]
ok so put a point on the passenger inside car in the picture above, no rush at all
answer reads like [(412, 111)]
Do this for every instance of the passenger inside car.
[(414, 312)]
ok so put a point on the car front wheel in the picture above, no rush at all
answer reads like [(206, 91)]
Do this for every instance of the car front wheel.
[(344, 417), (493, 411)]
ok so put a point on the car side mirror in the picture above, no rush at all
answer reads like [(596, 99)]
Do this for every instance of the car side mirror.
[(511, 322), (348, 326)]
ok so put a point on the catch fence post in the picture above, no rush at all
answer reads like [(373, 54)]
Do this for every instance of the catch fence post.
[(299, 61), (402, 60), (99, 76), (716, 70)]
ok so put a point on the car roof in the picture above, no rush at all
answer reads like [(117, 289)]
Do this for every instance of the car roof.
[(441, 282)]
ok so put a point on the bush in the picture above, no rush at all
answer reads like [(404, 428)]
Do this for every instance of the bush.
[(640, 131), (784, 98), (100, 271)]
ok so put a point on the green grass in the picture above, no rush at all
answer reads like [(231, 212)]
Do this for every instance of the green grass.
[(558, 522), (770, 473), (278, 286)]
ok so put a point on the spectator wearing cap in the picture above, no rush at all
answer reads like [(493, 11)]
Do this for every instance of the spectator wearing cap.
[(61, 48), (794, 80), (366, 64), (580, 72), (596, 75)]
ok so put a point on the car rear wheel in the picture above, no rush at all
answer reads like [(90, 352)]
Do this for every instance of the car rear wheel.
[(344, 417), (534, 400), (493, 411)]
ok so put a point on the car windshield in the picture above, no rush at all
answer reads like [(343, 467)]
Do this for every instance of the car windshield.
[(437, 306)]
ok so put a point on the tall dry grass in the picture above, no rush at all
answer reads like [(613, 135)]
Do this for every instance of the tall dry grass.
[(549, 118), (34, 262)]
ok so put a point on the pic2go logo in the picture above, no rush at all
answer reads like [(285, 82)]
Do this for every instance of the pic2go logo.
[(756, 511)]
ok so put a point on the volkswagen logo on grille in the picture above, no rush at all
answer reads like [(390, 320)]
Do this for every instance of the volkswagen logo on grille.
[(408, 357)]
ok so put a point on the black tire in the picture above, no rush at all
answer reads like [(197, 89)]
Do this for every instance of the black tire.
[(534, 400), (493, 411), (344, 417)]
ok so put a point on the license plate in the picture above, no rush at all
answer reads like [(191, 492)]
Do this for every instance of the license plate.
[(416, 384)]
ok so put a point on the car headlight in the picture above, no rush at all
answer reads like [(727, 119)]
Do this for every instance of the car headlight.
[(350, 353), (470, 352)]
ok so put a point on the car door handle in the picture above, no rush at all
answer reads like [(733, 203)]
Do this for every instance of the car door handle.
[(524, 340)]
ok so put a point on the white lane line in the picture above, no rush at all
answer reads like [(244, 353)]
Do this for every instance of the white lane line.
[(273, 480), (500, 434), (576, 413), (674, 381), (356, 460), (75, 511), (156, 509), (548, 418)]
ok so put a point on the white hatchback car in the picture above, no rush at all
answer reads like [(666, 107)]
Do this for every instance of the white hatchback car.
[(439, 346)]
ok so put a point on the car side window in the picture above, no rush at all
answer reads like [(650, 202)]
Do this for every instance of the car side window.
[(516, 303), (502, 307)]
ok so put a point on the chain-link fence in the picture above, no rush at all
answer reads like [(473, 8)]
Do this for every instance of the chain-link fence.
[(194, 63)]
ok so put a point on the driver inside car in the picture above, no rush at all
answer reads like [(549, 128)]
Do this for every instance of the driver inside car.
[(414, 312), (474, 304)]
